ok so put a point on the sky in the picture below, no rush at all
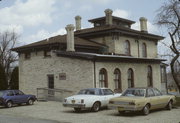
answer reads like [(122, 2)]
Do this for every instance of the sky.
[(35, 20)]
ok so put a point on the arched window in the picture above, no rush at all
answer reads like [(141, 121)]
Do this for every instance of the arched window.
[(144, 50), (117, 80), (149, 77), (103, 78), (127, 47), (130, 78)]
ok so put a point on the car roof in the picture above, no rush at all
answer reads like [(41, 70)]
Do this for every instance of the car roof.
[(141, 88)]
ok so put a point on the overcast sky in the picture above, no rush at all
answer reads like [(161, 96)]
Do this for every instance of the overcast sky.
[(35, 20)]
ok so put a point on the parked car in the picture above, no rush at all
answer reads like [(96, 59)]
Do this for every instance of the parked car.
[(10, 97), (142, 99), (91, 98)]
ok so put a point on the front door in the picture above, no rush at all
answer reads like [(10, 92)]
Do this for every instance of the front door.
[(50, 84)]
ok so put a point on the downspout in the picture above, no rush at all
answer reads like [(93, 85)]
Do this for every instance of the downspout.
[(94, 62)]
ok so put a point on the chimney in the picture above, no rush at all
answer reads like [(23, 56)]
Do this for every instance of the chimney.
[(70, 37), (143, 24), (108, 13), (78, 22)]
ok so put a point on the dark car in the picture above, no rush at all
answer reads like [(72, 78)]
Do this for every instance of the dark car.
[(10, 97)]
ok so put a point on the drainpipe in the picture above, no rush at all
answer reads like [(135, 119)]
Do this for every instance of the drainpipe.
[(94, 62)]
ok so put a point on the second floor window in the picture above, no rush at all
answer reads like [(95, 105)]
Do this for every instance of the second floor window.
[(144, 50), (127, 47)]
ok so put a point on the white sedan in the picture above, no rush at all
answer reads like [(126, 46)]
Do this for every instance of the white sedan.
[(91, 98)]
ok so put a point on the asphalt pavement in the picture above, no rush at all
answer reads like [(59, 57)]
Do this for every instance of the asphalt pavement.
[(11, 119)]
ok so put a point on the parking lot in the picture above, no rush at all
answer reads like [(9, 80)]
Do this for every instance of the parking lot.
[(56, 112)]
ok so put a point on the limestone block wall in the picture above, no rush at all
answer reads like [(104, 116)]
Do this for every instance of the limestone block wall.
[(140, 74), (33, 73)]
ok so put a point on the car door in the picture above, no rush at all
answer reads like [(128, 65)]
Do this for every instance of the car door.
[(10, 96), (162, 101), (20, 97), (152, 99), (107, 94)]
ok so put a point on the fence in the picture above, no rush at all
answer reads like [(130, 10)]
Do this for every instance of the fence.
[(45, 94)]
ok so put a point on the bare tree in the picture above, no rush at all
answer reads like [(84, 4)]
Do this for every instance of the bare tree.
[(8, 41), (169, 16)]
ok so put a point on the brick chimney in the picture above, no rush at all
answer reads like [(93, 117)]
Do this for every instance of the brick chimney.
[(143, 24), (108, 13), (70, 37), (78, 22)]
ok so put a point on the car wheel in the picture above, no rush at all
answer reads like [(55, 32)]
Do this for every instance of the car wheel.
[(9, 104), (96, 106), (169, 105), (146, 110), (77, 109), (30, 102)]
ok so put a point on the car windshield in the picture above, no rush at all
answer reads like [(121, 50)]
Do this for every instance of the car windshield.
[(134, 92), (87, 92), (1, 93)]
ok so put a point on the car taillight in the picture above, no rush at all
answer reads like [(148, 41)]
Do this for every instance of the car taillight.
[(82, 101), (131, 103), (65, 100), (111, 102)]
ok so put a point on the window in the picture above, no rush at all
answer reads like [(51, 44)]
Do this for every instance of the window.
[(150, 93), (117, 80), (107, 92), (130, 78), (157, 92), (144, 50), (103, 78), (10, 93), (127, 47), (27, 55), (149, 77), (47, 53), (51, 84)]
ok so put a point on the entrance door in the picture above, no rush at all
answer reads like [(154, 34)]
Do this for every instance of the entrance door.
[(51, 84)]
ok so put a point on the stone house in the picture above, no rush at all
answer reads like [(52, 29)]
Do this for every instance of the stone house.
[(110, 54)]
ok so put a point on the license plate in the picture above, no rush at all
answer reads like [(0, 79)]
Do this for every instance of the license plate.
[(73, 101)]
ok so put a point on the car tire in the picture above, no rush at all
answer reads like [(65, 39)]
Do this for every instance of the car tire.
[(30, 102), (145, 110), (96, 107), (77, 109), (169, 105), (9, 104)]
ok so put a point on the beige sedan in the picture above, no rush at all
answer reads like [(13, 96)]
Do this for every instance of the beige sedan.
[(142, 99)]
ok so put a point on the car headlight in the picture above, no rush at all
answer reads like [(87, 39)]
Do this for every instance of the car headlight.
[(131, 103), (82, 100)]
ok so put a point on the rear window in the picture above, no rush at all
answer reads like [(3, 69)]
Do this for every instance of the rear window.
[(88, 92), (1, 93)]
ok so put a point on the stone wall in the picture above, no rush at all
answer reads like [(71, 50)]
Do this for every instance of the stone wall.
[(117, 45), (140, 74), (33, 73)]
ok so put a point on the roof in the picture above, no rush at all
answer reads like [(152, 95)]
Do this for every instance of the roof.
[(109, 58), (60, 39), (114, 18), (113, 28)]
